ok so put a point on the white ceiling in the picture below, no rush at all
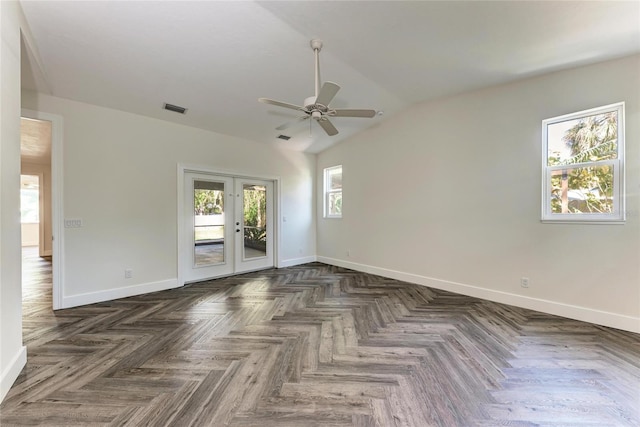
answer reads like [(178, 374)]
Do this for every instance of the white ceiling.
[(217, 57)]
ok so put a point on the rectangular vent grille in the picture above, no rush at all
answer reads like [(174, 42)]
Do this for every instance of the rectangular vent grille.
[(175, 108), (285, 137)]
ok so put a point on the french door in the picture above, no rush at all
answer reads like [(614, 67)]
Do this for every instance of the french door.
[(229, 224)]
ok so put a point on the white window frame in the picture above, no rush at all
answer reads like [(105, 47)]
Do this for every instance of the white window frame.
[(327, 191), (618, 214)]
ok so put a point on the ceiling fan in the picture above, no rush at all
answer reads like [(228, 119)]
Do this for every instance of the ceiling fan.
[(317, 107)]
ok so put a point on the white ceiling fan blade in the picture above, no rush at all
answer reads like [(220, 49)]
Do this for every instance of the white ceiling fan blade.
[(327, 92), (280, 104), (293, 123), (328, 127), (340, 112)]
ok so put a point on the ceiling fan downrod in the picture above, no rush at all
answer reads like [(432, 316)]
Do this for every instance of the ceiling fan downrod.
[(316, 45)]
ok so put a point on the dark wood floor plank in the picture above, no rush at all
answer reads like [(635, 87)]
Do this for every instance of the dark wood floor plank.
[(315, 345)]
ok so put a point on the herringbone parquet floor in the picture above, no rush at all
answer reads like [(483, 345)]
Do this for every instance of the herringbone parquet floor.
[(317, 345)]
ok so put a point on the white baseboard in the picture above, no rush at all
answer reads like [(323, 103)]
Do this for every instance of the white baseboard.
[(69, 301), (297, 261), (10, 374), (604, 318)]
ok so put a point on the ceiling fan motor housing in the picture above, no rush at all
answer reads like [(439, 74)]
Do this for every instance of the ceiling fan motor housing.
[(311, 107)]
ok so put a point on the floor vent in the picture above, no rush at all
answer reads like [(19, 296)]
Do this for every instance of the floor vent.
[(174, 108), (285, 137)]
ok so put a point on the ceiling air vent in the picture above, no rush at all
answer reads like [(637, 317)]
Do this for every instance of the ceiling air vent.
[(174, 108), (285, 137)]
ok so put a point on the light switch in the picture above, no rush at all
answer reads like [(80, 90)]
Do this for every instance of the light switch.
[(73, 222)]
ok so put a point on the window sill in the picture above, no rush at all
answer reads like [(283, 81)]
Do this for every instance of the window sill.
[(584, 221)]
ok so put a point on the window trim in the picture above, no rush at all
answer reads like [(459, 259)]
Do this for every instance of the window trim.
[(619, 215), (327, 191)]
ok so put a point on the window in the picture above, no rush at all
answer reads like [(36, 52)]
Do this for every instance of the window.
[(333, 192), (583, 161), (29, 199)]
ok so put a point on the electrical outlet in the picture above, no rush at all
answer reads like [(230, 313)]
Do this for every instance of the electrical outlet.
[(128, 273), (524, 282), (348, 252)]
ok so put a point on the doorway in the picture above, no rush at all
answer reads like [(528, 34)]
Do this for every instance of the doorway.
[(228, 225), (41, 156), (35, 188)]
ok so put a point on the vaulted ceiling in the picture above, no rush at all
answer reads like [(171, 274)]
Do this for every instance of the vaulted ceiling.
[(216, 58)]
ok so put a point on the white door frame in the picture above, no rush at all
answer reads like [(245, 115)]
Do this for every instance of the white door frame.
[(57, 202), (204, 169)]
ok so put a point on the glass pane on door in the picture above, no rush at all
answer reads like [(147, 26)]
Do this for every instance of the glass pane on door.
[(208, 225), (254, 220)]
